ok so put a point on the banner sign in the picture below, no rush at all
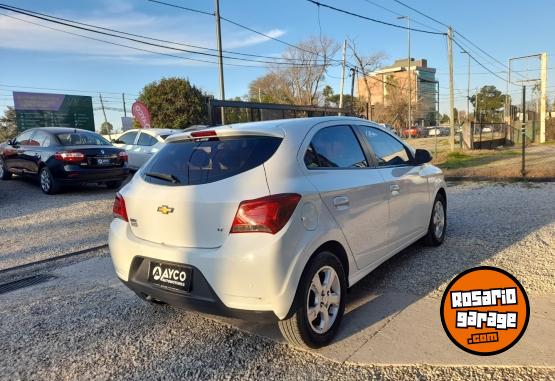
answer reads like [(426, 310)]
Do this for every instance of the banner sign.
[(53, 110), (140, 112)]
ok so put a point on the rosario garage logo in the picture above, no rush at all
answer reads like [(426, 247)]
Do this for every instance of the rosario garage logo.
[(168, 275), (485, 311)]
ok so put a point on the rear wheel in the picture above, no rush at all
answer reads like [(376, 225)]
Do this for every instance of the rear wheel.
[(4, 173), (438, 223), (47, 182), (320, 302)]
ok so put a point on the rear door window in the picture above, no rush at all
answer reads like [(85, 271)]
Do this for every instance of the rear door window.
[(335, 147), (388, 150), (42, 139), (146, 140), (193, 162)]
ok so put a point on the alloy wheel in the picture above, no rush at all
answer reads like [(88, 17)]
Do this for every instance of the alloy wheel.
[(439, 219), (323, 299), (45, 181), (1, 167)]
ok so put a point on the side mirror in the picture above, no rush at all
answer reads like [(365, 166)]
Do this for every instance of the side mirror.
[(422, 156)]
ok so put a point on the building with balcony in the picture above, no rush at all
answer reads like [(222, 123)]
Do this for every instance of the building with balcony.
[(383, 86)]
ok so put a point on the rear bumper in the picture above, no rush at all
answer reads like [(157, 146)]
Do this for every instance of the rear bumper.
[(74, 174), (201, 298)]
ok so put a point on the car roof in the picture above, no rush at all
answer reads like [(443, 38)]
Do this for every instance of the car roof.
[(156, 131), (279, 127), (58, 130)]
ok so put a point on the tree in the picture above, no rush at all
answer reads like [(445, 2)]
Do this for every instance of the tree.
[(444, 119), (106, 128), (490, 101), (270, 88), (8, 124), (365, 66), (174, 103), (300, 82)]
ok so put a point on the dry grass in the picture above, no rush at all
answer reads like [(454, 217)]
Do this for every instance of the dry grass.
[(498, 163)]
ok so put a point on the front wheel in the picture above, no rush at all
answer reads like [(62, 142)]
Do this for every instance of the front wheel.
[(47, 182), (320, 302), (438, 223), (4, 173)]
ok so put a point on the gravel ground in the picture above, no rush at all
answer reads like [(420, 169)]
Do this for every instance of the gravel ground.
[(77, 327), (35, 226), (510, 226)]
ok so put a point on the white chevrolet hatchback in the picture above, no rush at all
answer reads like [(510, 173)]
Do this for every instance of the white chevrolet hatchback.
[(274, 219)]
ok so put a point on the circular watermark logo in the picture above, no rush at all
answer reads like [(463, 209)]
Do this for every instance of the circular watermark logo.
[(485, 310)]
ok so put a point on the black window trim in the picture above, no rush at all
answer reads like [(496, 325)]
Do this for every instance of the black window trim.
[(371, 151), (370, 159)]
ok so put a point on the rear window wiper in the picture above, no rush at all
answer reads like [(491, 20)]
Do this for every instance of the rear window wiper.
[(164, 176)]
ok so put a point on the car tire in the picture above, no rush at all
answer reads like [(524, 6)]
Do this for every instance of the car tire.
[(48, 184), (323, 287), (4, 173), (438, 222), (113, 184)]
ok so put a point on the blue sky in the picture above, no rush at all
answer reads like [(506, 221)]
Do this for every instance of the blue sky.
[(33, 57)]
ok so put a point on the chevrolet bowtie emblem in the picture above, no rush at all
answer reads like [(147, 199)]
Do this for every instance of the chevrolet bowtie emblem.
[(164, 209)]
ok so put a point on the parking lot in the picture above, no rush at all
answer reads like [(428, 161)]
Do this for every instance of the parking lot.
[(85, 324)]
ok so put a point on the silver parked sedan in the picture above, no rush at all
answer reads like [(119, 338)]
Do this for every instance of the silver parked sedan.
[(142, 144)]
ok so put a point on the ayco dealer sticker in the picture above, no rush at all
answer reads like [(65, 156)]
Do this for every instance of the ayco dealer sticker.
[(485, 311)]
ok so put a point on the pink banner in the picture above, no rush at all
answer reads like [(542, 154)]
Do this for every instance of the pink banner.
[(141, 114)]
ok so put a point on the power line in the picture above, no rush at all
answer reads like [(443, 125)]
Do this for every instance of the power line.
[(372, 19), (399, 14), (118, 44), (49, 19), (146, 37), (181, 7), (479, 63)]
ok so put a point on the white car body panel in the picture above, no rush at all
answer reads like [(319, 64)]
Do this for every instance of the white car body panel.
[(261, 271)]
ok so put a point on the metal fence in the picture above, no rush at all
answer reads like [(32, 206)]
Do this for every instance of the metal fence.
[(485, 135), (239, 111)]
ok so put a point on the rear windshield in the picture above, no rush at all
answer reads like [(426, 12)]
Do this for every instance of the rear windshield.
[(194, 162), (80, 138)]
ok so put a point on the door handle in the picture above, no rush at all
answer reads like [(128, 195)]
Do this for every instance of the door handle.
[(341, 202)]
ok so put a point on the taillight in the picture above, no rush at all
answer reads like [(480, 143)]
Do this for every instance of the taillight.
[(119, 208), (123, 156), (203, 134), (265, 215), (70, 157)]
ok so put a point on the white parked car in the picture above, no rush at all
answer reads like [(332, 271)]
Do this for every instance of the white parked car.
[(274, 219), (142, 144)]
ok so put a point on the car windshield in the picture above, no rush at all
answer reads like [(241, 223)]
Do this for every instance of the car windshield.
[(81, 138), (193, 162)]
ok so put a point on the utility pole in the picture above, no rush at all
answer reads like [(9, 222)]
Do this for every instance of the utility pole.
[(409, 120), (451, 93), (104, 113), (523, 132), (124, 108), (543, 96), (353, 72), (220, 58), (342, 85), (467, 88)]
